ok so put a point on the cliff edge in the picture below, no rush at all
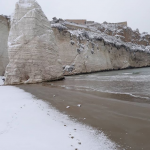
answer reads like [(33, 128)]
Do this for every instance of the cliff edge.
[(86, 48), (42, 50)]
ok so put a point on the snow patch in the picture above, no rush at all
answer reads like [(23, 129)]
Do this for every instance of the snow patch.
[(79, 105), (59, 26), (31, 124)]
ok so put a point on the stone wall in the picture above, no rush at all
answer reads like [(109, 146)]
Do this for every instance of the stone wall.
[(123, 23), (89, 22), (120, 23), (77, 21), (4, 31)]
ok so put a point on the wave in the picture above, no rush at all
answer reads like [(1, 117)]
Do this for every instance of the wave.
[(123, 77), (126, 73), (86, 88)]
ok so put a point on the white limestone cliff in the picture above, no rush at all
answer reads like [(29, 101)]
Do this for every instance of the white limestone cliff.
[(84, 51), (40, 53), (4, 31), (32, 50)]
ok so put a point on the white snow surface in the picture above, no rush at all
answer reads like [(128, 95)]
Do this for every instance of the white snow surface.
[(27, 123)]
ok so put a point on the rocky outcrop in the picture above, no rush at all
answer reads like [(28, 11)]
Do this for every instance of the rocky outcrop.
[(123, 32), (31, 46), (118, 30), (37, 53), (4, 31), (84, 51)]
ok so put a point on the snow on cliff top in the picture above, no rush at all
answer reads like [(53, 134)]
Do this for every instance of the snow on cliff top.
[(109, 40), (92, 32), (28, 4)]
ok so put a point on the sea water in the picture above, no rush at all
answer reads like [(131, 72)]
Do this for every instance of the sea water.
[(130, 84)]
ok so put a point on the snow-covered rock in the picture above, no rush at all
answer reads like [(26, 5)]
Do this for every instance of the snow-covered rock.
[(126, 33), (40, 52), (59, 26), (94, 51), (32, 49), (4, 31)]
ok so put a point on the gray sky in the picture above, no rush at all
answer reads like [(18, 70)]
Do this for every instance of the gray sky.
[(135, 12)]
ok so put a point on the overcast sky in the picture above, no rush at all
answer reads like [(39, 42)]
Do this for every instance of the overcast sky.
[(135, 12)]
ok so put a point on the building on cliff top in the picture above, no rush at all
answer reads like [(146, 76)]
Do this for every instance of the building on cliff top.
[(120, 23), (77, 21), (84, 22)]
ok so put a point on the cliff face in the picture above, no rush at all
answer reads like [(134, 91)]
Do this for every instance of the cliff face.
[(31, 47), (125, 33), (4, 31), (40, 53), (83, 51)]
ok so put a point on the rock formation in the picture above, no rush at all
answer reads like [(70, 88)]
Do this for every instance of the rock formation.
[(4, 31), (125, 33), (40, 53), (85, 49), (31, 46)]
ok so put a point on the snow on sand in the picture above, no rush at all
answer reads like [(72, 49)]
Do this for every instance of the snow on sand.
[(27, 123)]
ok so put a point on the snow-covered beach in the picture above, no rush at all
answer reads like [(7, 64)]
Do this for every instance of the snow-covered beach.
[(115, 102), (27, 123)]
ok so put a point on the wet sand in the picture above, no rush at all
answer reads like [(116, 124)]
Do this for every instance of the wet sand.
[(125, 122)]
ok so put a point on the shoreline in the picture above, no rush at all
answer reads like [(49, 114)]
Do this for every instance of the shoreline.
[(125, 123), (109, 70), (28, 123)]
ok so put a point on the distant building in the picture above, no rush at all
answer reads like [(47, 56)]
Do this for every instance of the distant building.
[(89, 22), (122, 23), (84, 21), (77, 21), (118, 23)]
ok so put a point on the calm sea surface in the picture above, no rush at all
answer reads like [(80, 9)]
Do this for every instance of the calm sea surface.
[(130, 84)]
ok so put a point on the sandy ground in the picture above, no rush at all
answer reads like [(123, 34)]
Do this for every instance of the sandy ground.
[(125, 122), (27, 123)]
